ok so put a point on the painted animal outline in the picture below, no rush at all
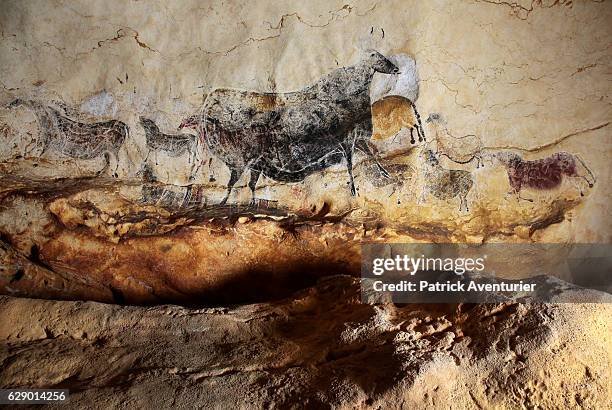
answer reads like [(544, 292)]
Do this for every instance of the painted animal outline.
[(173, 145), (289, 136), (544, 173), (461, 150), (390, 113), (444, 183), (74, 139)]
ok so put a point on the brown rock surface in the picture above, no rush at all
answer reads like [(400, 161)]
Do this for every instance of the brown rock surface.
[(319, 348), (528, 77)]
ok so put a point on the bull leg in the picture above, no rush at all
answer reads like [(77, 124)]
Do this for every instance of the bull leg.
[(235, 175), (43, 149), (348, 155), (106, 164), (116, 155), (253, 184), (187, 197), (463, 206), (27, 150), (194, 166), (195, 172), (363, 146)]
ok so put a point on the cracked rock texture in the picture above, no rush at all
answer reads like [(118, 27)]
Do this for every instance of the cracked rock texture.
[(530, 77), (320, 348)]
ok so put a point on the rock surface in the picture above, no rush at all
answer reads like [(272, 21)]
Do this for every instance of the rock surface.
[(320, 348), (510, 83), (531, 78)]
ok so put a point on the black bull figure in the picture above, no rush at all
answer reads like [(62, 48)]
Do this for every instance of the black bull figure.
[(288, 136)]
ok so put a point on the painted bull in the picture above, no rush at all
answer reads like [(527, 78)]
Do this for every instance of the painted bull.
[(288, 136)]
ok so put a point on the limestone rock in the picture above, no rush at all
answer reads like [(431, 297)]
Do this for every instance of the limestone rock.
[(319, 348), (93, 208)]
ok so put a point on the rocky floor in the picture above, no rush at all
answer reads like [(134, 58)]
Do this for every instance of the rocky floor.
[(284, 325), (318, 348)]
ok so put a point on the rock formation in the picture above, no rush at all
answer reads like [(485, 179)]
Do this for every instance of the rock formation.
[(126, 278)]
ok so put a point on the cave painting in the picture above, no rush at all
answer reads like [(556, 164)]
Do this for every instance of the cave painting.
[(394, 112), (461, 150), (545, 173), (288, 136), (443, 183), (74, 139), (173, 145)]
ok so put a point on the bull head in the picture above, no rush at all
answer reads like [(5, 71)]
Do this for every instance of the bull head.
[(190, 122)]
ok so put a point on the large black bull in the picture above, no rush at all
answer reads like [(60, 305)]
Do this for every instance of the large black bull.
[(288, 136)]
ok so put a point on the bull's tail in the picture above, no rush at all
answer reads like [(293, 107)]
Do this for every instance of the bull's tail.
[(419, 125), (587, 169)]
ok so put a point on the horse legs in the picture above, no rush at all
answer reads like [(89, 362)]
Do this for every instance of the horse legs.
[(412, 140), (364, 146), (235, 175), (421, 136), (348, 155), (253, 183)]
